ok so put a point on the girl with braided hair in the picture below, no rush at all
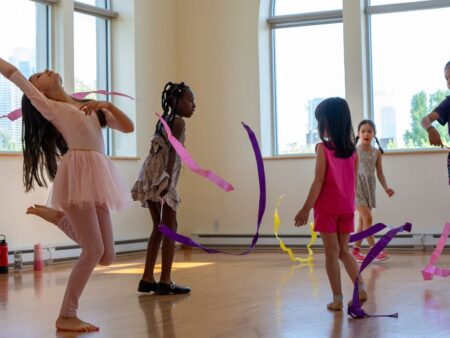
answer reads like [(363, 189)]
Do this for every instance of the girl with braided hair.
[(369, 161), (157, 183)]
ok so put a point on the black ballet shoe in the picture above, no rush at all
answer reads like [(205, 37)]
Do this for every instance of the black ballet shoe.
[(147, 286), (172, 289)]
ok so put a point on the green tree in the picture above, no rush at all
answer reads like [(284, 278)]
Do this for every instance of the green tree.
[(421, 105), (6, 144)]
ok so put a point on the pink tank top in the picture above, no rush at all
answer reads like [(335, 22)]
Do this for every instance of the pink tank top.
[(338, 191)]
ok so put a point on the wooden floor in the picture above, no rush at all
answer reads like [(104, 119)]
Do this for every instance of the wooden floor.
[(259, 295)]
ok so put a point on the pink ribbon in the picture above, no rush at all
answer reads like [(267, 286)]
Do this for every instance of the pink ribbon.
[(82, 95), (190, 163), (431, 269), (15, 114)]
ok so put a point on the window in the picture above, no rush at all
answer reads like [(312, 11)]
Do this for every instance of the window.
[(408, 53), (27, 48), (286, 7), (306, 47)]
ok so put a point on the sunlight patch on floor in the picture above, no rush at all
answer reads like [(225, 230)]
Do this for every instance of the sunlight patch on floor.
[(126, 269)]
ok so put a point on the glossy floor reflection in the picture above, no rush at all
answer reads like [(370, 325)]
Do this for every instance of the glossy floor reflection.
[(259, 295)]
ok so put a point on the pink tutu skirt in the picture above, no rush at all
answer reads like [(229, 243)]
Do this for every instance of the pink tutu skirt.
[(85, 177)]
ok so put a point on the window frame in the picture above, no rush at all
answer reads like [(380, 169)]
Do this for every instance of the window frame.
[(287, 21), (404, 7), (358, 80)]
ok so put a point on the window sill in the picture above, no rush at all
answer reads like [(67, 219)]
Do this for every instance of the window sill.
[(386, 152)]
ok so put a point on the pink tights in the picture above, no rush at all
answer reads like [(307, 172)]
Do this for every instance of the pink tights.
[(91, 228)]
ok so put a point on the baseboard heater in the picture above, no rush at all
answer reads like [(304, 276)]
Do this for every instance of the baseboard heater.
[(401, 242), (422, 242), (71, 252)]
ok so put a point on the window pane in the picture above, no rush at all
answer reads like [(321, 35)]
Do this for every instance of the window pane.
[(306, 72), (26, 48), (388, 2), (283, 7), (408, 62), (90, 59), (98, 3), (90, 62)]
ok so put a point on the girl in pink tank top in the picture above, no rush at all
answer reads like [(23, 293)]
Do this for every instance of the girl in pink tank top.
[(332, 194)]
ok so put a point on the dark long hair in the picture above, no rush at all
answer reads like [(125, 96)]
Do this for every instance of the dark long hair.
[(42, 145), (171, 95), (335, 122), (372, 125)]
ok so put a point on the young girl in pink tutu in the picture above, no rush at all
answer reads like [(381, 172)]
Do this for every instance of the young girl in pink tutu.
[(158, 181), (86, 185)]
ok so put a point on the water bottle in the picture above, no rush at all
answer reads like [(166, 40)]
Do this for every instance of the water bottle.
[(3, 255), (38, 260)]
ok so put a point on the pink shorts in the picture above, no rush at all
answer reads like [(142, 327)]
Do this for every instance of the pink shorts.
[(334, 223)]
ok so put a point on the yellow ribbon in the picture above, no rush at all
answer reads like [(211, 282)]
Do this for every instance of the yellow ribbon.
[(276, 226)]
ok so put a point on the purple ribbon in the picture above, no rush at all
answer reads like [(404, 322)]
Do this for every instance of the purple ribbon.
[(355, 310), (368, 232), (261, 209)]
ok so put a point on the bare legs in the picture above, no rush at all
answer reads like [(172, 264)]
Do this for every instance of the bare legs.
[(154, 243), (336, 248), (365, 222)]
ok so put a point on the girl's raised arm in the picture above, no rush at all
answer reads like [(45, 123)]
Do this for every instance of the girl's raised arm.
[(6, 68), (39, 100)]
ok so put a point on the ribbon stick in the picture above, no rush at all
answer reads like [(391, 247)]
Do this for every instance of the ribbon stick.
[(431, 269), (276, 226), (261, 208), (355, 309), (15, 114), (82, 95), (190, 163)]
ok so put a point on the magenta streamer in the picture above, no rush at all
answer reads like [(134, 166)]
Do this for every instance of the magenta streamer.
[(261, 209), (190, 162), (355, 309)]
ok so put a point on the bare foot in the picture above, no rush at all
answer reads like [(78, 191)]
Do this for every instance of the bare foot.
[(362, 297), (49, 214), (335, 306), (74, 324)]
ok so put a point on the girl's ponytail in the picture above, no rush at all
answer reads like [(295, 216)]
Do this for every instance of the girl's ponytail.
[(378, 144)]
